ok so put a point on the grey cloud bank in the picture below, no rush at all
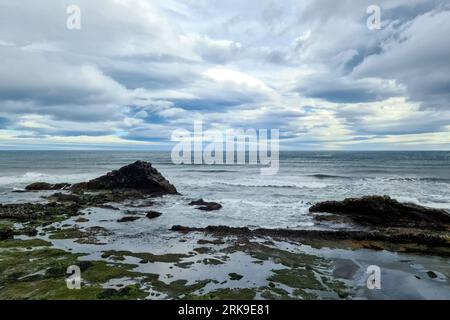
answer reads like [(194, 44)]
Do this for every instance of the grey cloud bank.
[(137, 70)]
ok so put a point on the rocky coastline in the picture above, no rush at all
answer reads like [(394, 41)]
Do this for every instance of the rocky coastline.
[(372, 222)]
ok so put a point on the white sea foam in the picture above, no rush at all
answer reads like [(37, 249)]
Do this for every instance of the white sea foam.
[(277, 184), (431, 204), (30, 177)]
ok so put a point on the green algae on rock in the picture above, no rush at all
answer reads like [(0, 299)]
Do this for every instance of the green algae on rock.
[(228, 294), (87, 236), (32, 243), (41, 274), (178, 289)]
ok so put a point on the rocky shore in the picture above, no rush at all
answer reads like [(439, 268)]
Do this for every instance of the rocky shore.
[(373, 222), (392, 239), (135, 181), (382, 211)]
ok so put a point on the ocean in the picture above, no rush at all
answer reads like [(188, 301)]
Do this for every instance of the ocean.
[(248, 198)]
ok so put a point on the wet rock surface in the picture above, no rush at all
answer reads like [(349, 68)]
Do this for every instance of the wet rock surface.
[(42, 186), (128, 219), (32, 211), (380, 239), (153, 214), (98, 199), (383, 211), (205, 205)]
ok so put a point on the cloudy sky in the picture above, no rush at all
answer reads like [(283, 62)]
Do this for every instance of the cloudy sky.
[(139, 69)]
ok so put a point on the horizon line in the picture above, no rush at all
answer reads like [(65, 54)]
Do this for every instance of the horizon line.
[(296, 150)]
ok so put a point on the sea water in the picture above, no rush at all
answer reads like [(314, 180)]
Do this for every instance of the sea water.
[(248, 198)]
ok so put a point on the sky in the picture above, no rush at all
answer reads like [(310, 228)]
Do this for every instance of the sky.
[(139, 69)]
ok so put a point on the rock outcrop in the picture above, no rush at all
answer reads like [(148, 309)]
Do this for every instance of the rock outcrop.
[(140, 176), (205, 206), (135, 181), (383, 211), (153, 214), (332, 237), (41, 186), (6, 234), (128, 219)]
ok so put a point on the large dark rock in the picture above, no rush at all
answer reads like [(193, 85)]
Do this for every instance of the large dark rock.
[(6, 234), (205, 206), (139, 176), (153, 214), (382, 211), (128, 219)]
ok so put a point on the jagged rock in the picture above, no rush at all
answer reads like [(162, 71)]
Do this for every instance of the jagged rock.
[(128, 219), (153, 214), (42, 186), (382, 211), (139, 176), (206, 206), (6, 234)]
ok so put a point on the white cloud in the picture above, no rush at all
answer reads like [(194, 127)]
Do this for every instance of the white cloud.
[(138, 69), (236, 80)]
